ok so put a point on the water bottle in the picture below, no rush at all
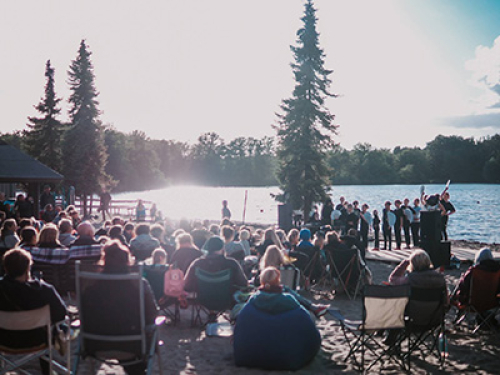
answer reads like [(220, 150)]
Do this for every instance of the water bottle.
[(443, 345)]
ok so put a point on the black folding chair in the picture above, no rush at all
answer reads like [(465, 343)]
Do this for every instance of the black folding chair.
[(424, 322), (112, 329), (383, 309), (348, 270)]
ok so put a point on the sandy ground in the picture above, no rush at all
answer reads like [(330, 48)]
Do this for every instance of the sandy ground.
[(188, 350)]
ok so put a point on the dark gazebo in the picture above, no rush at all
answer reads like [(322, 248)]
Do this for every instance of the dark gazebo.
[(17, 167)]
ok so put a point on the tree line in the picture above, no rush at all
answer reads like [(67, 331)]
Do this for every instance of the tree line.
[(462, 160)]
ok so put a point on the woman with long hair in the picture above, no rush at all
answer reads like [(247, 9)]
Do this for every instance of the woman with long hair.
[(49, 237)]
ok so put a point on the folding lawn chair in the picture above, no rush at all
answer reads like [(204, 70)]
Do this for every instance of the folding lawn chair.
[(38, 323), (348, 269), (483, 302), (383, 309), (425, 316), (169, 306), (113, 326), (213, 295)]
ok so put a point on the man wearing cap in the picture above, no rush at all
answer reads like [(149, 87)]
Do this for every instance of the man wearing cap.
[(215, 261)]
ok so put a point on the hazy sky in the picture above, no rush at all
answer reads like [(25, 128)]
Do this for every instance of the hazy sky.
[(405, 70)]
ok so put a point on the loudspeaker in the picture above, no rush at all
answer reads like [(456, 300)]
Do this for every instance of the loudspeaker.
[(430, 226), (285, 216), (439, 252)]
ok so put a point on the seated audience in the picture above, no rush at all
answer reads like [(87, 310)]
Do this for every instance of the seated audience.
[(215, 261), (159, 257), (270, 238), (86, 235), (29, 237), (109, 301), (143, 244), (8, 235), (18, 291), (116, 233), (129, 231), (484, 261), (273, 331), (273, 257), (185, 252), (49, 214), (232, 248), (49, 237), (305, 245), (245, 241), (417, 271), (200, 234), (66, 236)]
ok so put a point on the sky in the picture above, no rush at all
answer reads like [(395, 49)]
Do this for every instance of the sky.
[(405, 71)]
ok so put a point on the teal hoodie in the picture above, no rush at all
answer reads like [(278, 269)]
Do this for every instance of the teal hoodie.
[(274, 303)]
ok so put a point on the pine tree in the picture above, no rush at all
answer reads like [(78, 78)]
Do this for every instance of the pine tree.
[(84, 152), (43, 140), (306, 126)]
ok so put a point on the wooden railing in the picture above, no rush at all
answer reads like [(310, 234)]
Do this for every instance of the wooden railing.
[(120, 207)]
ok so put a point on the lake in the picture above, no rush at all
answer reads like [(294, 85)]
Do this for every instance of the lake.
[(477, 217)]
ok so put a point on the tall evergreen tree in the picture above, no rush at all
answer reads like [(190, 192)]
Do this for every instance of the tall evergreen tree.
[(43, 140), (84, 152), (306, 126)]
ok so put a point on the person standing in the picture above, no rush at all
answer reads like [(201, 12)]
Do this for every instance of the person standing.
[(398, 211), (351, 221), (105, 200), (376, 229), (386, 226), (415, 224), (406, 221), (226, 213), (364, 225), (448, 210), (47, 197), (326, 212)]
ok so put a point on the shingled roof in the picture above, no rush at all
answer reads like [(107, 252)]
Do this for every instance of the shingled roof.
[(16, 166)]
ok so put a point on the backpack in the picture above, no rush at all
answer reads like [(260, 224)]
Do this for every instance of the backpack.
[(174, 283)]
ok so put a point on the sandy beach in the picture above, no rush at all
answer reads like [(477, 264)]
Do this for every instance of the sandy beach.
[(188, 350)]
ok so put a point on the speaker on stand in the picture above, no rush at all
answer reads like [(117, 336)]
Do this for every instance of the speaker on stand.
[(430, 238)]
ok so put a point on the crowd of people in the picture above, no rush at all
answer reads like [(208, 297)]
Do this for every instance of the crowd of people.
[(401, 219), (256, 257)]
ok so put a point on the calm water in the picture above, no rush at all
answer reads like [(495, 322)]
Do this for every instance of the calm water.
[(477, 217)]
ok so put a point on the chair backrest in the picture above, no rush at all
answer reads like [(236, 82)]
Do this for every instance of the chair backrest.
[(345, 264), (26, 320), (214, 289), (426, 308), (155, 275), (384, 306), (112, 312), (484, 289), (290, 276)]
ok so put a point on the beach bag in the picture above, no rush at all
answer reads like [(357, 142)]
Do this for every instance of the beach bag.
[(174, 283)]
